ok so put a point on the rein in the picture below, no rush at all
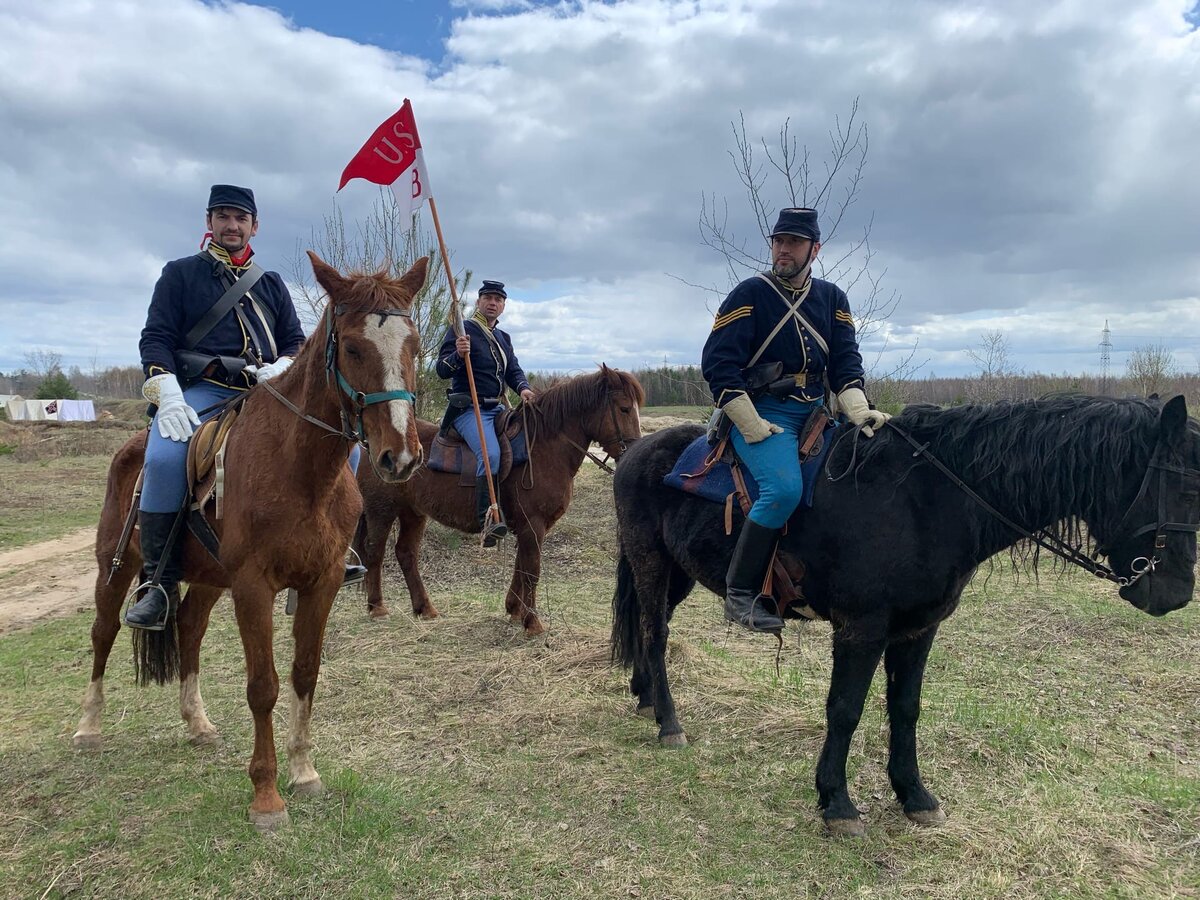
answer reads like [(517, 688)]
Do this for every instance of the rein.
[(1139, 567)]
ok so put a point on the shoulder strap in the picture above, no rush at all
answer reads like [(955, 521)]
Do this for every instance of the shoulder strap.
[(793, 312), (217, 311)]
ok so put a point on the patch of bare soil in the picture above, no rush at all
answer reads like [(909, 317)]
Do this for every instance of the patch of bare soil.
[(47, 580)]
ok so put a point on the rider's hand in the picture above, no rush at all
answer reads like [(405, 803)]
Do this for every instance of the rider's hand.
[(269, 370), (463, 345), (754, 428), (176, 420), (854, 404), (528, 396)]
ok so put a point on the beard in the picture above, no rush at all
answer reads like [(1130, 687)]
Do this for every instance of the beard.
[(788, 271)]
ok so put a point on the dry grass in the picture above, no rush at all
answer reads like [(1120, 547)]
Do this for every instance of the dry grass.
[(1060, 728)]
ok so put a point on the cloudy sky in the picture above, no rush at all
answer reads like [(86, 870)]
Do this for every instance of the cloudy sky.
[(1031, 165)]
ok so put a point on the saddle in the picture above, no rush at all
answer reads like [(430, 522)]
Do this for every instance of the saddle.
[(205, 467), (450, 453), (717, 475)]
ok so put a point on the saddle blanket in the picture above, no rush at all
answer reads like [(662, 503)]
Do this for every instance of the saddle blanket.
[(457, 457), (717, 483)]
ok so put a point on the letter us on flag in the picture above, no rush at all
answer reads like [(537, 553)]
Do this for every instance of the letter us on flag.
[(392, 156)]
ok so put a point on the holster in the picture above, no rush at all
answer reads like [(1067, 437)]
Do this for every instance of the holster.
[(191, 366), (812, 436), (767, 378)]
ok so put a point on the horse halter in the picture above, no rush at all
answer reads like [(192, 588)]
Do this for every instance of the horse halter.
[(359, 400), (1139, 567)]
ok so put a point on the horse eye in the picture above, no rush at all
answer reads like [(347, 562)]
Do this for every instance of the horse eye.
[(626, 409), (353, 352)]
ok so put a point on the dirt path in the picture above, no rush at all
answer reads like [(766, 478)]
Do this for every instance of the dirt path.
[(47, 580)]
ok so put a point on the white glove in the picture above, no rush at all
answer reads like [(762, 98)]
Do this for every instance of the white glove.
[(270, 370), (176, 420), (854, 403), (754, 428)]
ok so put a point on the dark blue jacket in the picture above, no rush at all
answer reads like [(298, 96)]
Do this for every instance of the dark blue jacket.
[(187, 289), (749, 315), (492, 370)]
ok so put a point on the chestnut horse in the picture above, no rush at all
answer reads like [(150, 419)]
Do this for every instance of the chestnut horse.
[(289, 513), (600, 407)]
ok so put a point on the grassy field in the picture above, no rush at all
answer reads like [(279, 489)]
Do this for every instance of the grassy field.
[(1060, 728)]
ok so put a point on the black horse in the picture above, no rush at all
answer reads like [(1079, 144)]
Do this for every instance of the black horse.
[(890, 545)]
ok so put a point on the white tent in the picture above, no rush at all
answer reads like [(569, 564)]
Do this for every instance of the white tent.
[(12, 403), (76, 411)]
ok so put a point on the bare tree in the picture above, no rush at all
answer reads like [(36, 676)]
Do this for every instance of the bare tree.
[(1151, 367), (43, 362), (384, 240), (996, 379), (830, 183)]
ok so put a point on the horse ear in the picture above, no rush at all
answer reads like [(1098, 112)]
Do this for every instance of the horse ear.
[(327, 276), (1172, 421), (414, 279)]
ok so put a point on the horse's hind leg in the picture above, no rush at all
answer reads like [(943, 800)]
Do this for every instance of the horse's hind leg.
[(641, 684), (192, 623), (109, 598), (371, 545), (904, 663), (854, 664), (408, 555), (308, 630)]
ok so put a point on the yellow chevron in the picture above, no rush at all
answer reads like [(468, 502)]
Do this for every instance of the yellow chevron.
[(844, 316), (740, 313)]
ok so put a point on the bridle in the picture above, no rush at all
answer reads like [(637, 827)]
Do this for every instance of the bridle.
[(622, 443), (1140, 567), (351, 412)]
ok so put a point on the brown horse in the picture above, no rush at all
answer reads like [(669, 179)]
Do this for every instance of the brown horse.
[(600, 407), (285, 467)]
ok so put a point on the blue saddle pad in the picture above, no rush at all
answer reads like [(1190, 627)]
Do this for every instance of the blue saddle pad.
[(456, 457), (717, 483)]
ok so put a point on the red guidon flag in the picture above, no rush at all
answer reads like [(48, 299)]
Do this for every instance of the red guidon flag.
[(392, 156)]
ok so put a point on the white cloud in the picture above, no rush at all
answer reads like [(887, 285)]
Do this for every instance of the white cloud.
[(1030, 166)]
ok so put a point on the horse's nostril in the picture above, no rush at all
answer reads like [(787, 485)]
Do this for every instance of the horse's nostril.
[(385, 461)]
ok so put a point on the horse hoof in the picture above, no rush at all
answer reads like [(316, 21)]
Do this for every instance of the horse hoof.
[(646, 712), (378, 612), (427, 613), (269, 822), (534, 627), (674, 740), (314, 788), (206, 739), (86, 741), (928, 818), (852, 828)]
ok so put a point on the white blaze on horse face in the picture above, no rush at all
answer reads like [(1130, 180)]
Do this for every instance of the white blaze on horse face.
[(390, 339)]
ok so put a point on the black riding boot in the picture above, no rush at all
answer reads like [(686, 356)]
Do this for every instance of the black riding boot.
[(355, 571), (743, 582), (152, 608), (482, 503)]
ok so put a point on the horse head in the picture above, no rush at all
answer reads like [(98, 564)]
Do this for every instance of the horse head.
[(1153, 545), (618, 423), (371, 350)]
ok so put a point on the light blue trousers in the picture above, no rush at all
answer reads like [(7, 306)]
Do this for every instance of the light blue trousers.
[(465, 425), (165, 481), (774, 462)]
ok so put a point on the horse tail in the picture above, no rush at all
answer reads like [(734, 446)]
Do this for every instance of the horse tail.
[(627, 615), (156, 654)]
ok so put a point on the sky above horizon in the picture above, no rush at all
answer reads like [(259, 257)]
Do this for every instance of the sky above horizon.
[(1030, 166)]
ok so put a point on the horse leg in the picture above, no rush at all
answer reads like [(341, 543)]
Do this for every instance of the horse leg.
[(641, 684), (308, 631), (192, 622), (408, 554), (374, 539), (652, 579), (904, 663), (521, 601), (854, 663), (254, 617), (109, 598)]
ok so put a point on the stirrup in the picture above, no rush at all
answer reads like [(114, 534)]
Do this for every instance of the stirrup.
[(355, 572), (159, 624)]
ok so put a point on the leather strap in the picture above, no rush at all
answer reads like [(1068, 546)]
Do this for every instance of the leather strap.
[(229, 299)]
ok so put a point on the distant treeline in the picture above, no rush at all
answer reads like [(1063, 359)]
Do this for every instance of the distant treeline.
[(684, 386)]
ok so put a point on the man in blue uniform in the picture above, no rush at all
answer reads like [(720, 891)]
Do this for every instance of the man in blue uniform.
[(194, 357), (783, 316), (493, 365)]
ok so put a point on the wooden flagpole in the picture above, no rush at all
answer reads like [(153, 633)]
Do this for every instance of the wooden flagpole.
[(493, 514)]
